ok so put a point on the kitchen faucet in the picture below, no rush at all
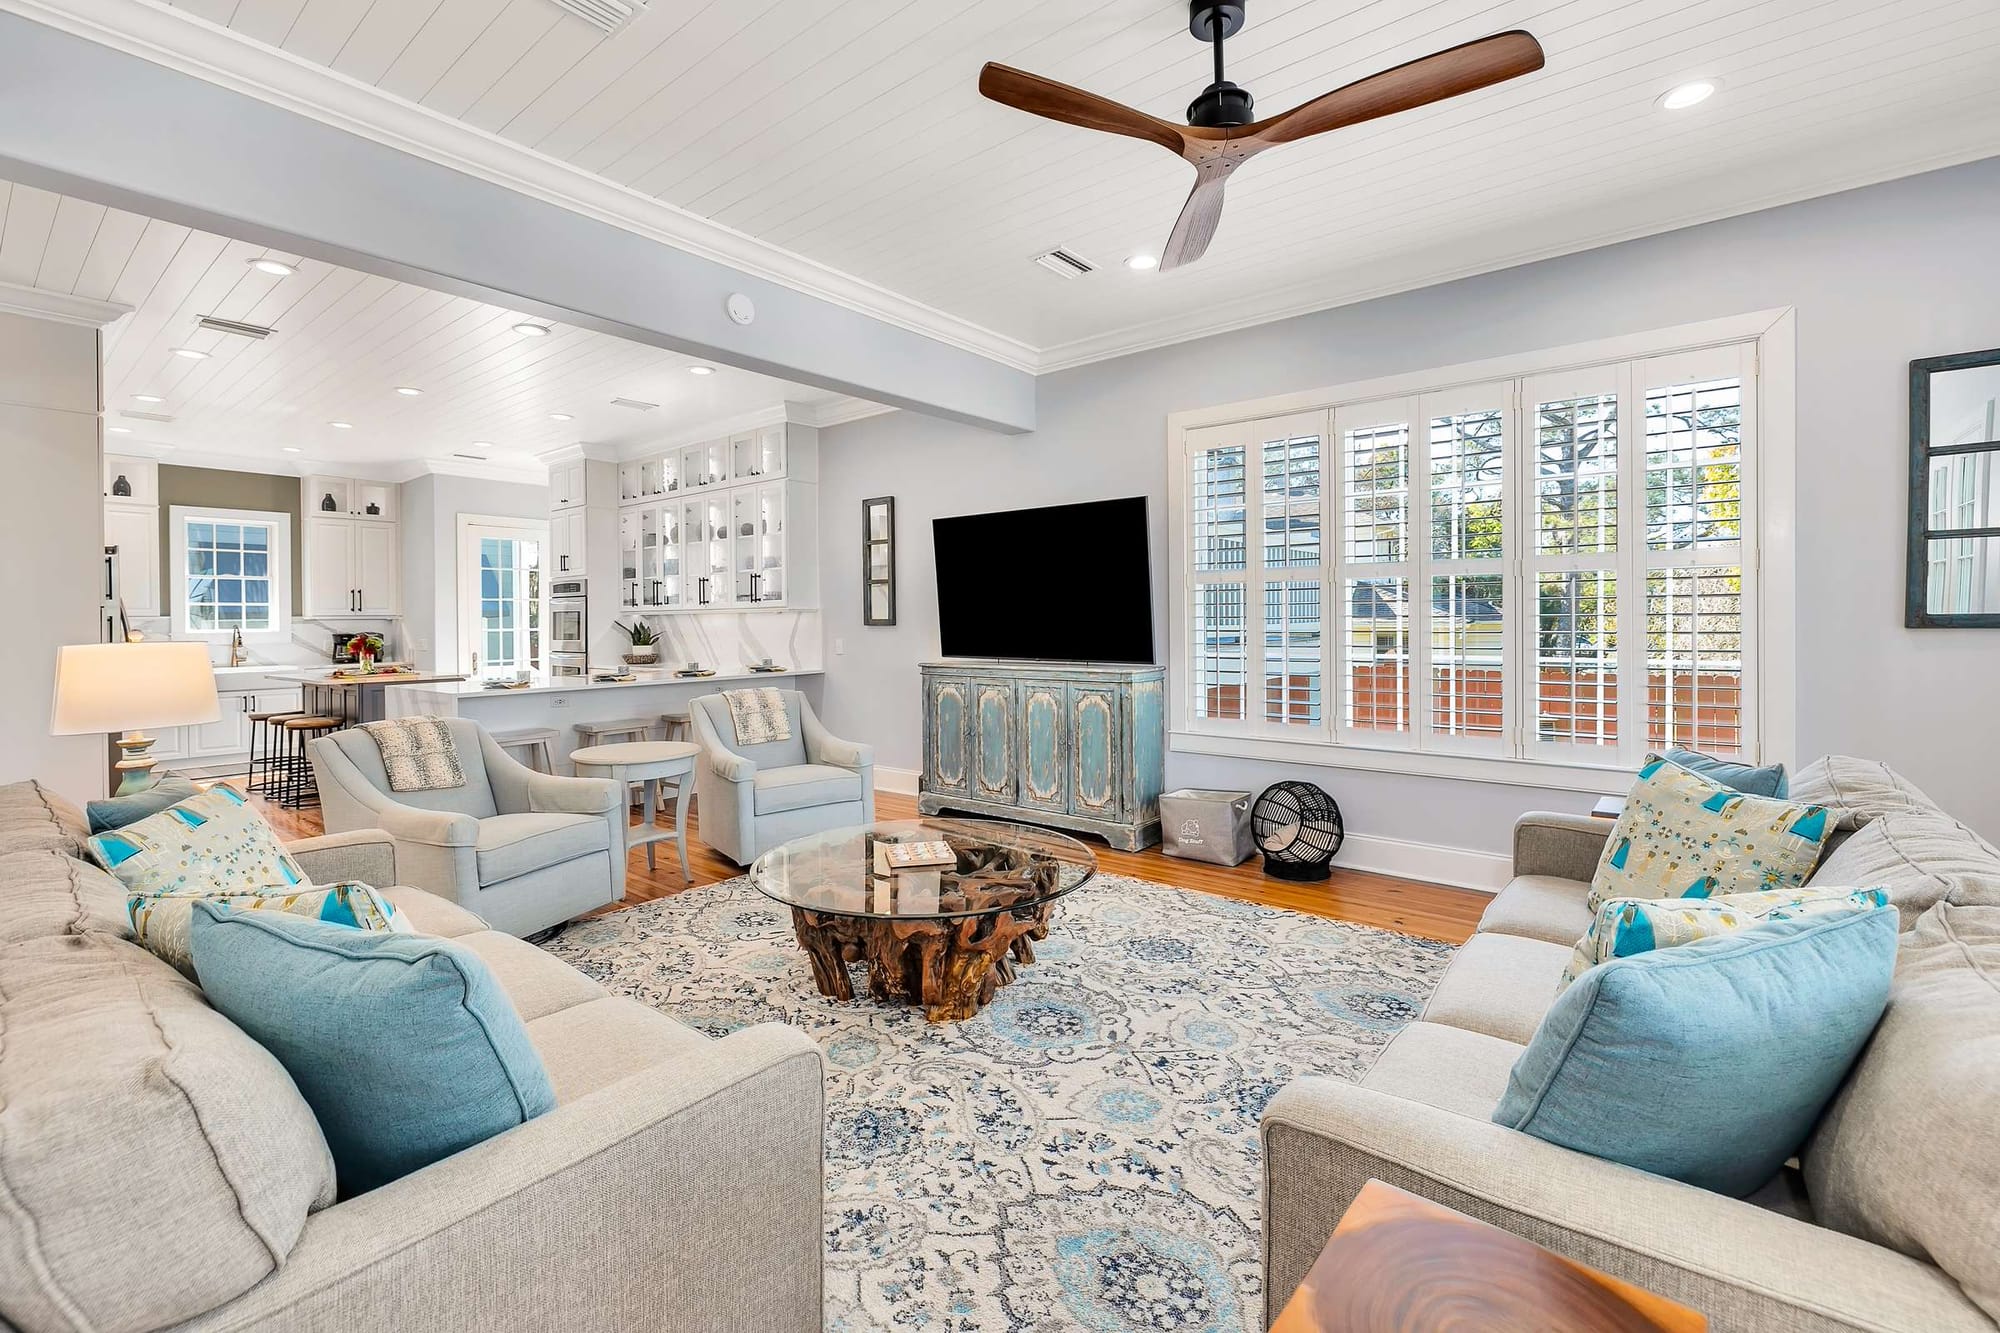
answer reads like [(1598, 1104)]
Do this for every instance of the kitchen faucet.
[(237, 657)]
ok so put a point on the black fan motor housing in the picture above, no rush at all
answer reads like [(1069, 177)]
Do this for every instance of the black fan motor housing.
[(1298, 828)]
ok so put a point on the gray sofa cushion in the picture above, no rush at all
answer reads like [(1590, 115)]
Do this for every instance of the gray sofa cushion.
[(431, 915), (1922, 857), (804, 786), (538, 983), (50, 893), (511, 845), (592, 1045), (1449, 1068), (155, 1162), (33, 819), (1540, 907), (1856, 790), (1905, 1156), (1500, 985)]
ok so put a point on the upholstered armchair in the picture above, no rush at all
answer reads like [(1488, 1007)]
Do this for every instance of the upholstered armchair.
[(521, 849), (753, 797)]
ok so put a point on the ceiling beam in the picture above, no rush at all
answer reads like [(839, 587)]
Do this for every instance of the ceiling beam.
[(84, 119)]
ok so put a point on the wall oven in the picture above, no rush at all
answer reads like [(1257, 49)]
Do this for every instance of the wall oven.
[(569, 629)]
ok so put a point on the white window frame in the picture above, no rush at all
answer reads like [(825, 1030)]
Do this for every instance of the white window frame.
[(279, 567), (1767, 340), (471, 528)]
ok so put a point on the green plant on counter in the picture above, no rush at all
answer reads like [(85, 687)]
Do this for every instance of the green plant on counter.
[(640, 633)]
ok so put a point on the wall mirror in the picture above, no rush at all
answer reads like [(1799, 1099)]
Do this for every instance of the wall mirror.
[(1954, 569), (878, 561)]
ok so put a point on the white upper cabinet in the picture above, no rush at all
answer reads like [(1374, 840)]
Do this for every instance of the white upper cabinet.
[(347, 497), (136, 480), (567, 542), (135, 530), (330, 585), (352, 548), (568, 486), (378, 569)]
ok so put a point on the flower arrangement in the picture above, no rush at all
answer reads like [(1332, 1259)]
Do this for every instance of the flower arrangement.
[(645, 640), (365, 648)]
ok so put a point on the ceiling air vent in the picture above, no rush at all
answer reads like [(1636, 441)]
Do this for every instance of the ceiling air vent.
[(634, 404), (235, 327), (607, 16), (477, 458), (1064, 264), (144, 416)]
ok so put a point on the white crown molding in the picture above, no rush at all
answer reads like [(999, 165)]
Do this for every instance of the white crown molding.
[(578, 451), (838, 412), (59, 306), (190, 44), (466, 467)]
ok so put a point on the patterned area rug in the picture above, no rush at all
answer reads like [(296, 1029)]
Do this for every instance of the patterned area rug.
[(1083, 1154)]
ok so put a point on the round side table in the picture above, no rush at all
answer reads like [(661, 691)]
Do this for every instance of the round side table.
[(650, 763)]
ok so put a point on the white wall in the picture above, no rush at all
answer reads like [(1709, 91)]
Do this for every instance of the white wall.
[(1878, 276), (431, 507), (51, 545)]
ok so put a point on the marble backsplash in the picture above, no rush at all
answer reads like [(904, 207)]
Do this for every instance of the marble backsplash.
[(728, 639)]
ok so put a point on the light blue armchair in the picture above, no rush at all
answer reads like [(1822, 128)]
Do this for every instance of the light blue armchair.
[(753, 797)]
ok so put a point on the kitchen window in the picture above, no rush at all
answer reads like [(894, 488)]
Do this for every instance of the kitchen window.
[(1532, 570), (230, 571)]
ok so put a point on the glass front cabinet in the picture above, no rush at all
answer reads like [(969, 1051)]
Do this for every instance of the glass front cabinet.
[(726, 524)]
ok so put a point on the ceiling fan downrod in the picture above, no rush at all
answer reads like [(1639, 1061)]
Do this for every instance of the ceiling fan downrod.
[(1222, 105)]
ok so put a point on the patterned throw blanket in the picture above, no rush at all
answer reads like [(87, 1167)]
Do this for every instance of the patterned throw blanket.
[(759, 716), (418, 753)]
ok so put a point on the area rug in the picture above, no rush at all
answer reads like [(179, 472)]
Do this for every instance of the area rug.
[(1083, 1154)]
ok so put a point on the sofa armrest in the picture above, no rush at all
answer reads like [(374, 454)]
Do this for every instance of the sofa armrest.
[(556, 795), (823, 747), (700, 1178), (731, 767), (1743, 1266), (428, 828), (1564, 846), (363, 856)]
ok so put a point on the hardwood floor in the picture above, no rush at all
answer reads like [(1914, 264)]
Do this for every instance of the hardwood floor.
[(1367, 899)]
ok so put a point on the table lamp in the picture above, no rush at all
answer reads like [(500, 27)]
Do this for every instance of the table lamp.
[(128, 687)]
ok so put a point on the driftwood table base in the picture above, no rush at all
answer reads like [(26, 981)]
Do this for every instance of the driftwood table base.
[(950, 966)]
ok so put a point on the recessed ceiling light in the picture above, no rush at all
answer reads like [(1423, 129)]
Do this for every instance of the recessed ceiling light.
[(293, 449), (341, 425), (1143, 262), (191, 353), (701, 370), (532, 330), (409, 392), (1692, 93), (561, 416), (277, 268), (482, 444), (147, 398), (118, 430)]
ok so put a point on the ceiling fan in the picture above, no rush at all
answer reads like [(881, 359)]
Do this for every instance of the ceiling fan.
[(1220, 136)]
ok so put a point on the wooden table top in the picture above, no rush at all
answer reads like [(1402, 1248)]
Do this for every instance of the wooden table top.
[(380, 678), (1398, 1263)]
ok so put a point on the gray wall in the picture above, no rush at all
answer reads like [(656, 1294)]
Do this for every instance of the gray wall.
[(52, 544), (1877, 276), (431, 506), (219, 488)]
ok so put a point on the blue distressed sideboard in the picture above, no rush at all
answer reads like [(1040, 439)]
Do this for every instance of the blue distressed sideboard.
[(1070, 745)]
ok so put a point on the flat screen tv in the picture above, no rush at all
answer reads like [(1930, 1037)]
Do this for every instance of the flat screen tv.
[(1066, 583)]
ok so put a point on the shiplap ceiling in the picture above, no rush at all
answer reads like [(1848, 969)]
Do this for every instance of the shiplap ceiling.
[(344, 342), (852, 133)]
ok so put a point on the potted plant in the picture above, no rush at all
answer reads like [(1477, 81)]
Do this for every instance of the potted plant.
[(365, 649), (645, 643)]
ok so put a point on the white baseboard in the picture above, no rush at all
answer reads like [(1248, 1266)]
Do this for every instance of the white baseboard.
[(902, 781), (1488, 872)]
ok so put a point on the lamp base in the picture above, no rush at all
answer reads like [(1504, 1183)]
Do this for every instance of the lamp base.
[(135, 763)]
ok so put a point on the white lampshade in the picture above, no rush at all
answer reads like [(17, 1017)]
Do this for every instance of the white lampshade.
[(130, 686)]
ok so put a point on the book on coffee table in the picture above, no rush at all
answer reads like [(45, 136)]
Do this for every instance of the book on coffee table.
[(917, 855)]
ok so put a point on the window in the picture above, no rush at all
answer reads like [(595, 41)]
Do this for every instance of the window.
[(500, 595), (1542, 571), (1954, 560), (231, 572)]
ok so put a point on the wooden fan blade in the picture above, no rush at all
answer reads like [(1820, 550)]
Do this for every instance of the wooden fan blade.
[(1073, 106), (1433, 78), (1195, 227)]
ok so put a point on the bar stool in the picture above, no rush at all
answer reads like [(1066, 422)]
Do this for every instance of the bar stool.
[(615, 732), (648, 763), (533, 742), (296, 785), (264, 737), (676, 726)]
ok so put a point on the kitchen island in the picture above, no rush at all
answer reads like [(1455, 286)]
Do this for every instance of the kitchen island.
[(563, 703)]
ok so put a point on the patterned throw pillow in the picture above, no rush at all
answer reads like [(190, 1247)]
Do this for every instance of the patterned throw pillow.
[(1627, 926), (213, 843), (162, 921), (1686, 836)]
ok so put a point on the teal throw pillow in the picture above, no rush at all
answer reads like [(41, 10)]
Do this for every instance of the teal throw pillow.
[(1770, 780), (118, 811), (1710, 1062), (405, 1046)]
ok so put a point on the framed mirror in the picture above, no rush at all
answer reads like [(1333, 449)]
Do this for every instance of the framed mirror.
[(878, 561), (1954, 563)]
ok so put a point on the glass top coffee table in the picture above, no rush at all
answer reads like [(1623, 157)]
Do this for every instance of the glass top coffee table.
[(946, 937)]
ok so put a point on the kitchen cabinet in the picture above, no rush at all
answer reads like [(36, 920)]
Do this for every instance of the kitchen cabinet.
[(132, 480), (569, 486), (224, 744), (135, 530), (567, 531), (352, 568)]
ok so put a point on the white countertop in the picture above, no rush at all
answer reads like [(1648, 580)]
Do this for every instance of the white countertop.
[(647, 679)]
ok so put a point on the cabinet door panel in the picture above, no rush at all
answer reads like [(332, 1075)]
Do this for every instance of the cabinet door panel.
[(948, 771), (330, 585), (135, 531), (1044, 774), (228, 734), (1094, 752), (993, 740), (378, 568)]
